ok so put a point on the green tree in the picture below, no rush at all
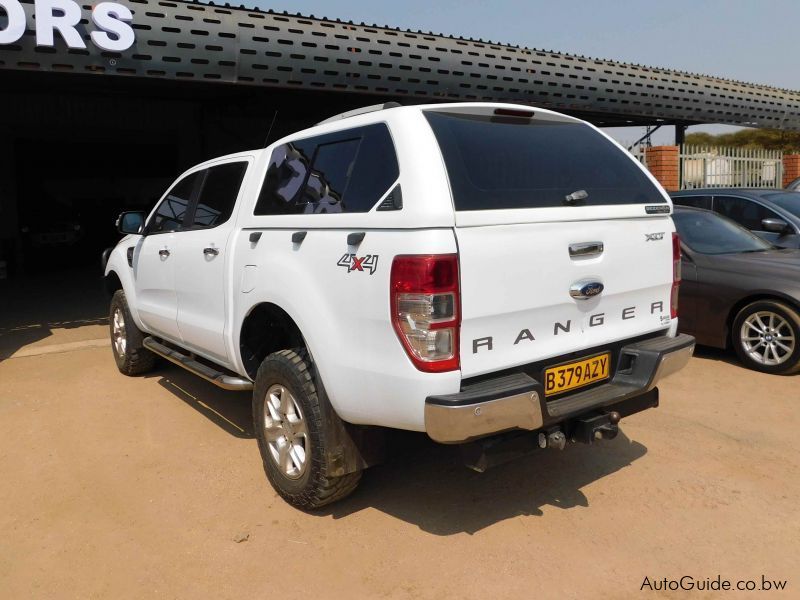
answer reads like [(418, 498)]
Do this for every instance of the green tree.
[(768, 139)]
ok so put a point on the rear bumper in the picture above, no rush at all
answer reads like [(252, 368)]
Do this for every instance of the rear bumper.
[(516, 401)]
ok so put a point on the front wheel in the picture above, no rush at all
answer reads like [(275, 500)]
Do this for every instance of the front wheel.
[(766, 337), (287, 414), (131, 356)]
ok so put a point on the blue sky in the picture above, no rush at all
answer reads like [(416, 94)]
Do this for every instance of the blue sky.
[(738, 39)]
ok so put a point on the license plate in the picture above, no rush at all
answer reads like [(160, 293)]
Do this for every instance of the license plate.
[(576, 374)]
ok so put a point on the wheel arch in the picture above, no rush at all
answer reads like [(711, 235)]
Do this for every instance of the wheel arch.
[(267, 328), (112, 282)]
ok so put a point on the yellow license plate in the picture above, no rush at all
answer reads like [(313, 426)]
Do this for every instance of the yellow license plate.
[(576, 374)]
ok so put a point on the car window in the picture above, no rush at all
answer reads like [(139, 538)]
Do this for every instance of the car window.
[(347, 171), (506, 163), (218, 194), (788, 201), (747, 213), (708, 233), (170, 214), (694, 201)]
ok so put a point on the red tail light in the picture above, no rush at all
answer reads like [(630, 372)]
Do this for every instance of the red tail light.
[(426, 309), (676, 275)]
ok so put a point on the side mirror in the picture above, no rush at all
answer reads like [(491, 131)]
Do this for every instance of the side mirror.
[(776, 226), (130, 222)]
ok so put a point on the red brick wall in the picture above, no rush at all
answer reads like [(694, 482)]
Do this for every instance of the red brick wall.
[(791, 168), (663, 164)]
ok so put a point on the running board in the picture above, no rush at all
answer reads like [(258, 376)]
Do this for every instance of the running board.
[(218, 378)]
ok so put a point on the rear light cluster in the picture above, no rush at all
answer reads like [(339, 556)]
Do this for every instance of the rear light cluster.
[(676, 275), (426, 311)]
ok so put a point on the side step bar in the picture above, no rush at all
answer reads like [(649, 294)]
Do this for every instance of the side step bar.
[(218, 378)]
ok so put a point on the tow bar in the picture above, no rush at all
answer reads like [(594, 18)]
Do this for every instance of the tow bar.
[(603, 426), (488, 452)]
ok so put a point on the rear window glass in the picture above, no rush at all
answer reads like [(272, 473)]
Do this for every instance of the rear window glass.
[(505, 163), (695, 201)]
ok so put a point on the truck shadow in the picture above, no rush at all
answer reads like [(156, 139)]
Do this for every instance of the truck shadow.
[(231, 411), (425, 483), (718, 354)]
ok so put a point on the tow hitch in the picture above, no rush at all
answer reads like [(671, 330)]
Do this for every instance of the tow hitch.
[(604, 426)]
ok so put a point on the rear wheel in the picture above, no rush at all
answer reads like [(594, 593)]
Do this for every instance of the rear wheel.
[(287, 414), (766, 337), (131, 356)]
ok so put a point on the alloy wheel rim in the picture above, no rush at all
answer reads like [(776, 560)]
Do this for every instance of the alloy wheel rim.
[(286, 431), (767, 338), (118, 333)]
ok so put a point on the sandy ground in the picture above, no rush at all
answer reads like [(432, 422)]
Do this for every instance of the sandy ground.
[(116, 487)]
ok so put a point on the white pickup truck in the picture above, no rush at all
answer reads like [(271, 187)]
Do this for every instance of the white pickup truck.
[(474, 271)]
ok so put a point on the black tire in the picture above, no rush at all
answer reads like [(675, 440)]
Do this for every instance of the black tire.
[(788, 362), (132, 358), (312, 486)]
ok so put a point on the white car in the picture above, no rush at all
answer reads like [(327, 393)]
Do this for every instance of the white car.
[(474, 271)]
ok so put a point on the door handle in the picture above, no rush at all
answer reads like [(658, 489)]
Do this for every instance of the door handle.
[(163, 253), (585, 249), (210, 251)]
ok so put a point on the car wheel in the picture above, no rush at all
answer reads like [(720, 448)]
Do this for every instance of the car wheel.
[(287, 415), (766, 337), (131, 356)]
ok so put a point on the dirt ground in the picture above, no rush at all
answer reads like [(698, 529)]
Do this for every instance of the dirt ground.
[(116, 487)]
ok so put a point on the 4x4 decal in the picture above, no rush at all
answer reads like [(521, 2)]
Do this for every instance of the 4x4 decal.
[(352, 262)]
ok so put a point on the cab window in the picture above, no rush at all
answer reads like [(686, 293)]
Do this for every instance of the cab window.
[(170, 214), (342, 172), (218, 194)]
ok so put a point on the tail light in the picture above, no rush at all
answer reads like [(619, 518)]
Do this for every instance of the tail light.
[(676, 275), (426, 311)]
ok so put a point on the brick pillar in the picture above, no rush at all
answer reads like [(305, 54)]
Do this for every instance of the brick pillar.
[(791, 168), (663, 164)]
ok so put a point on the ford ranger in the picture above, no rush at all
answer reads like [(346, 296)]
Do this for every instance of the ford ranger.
[(480, 272)]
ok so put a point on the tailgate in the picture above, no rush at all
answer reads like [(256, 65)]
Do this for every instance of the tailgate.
[(516, 281)]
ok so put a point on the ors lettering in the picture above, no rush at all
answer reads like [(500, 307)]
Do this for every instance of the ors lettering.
[(112, 20)]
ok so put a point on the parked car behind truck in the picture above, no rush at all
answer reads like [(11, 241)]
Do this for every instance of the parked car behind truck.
[(739, 291), (771, 214), (474, 271)]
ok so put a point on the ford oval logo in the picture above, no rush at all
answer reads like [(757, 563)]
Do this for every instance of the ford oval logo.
[(585, 289)]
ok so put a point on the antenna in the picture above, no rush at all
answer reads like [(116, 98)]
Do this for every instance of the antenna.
[(269, 131)]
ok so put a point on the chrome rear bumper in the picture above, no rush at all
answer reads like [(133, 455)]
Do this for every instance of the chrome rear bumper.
[(516, 401)]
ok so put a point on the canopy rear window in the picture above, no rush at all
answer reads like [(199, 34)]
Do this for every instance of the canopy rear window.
[(508, 163)]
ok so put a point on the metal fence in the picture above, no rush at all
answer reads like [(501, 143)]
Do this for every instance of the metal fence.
[(708, 166)]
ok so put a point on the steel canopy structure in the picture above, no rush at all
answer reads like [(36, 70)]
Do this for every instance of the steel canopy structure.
[(224, 45)]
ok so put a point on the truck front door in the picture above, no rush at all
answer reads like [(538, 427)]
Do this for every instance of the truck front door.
[(154, 260)]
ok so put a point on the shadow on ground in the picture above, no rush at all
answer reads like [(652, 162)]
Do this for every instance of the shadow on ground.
[(718, 354), (425, 483), (31, 309)]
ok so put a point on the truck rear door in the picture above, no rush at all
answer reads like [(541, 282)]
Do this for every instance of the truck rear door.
[(565, 242)]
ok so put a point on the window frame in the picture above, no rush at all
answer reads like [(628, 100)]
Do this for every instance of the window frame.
[(188, 218)]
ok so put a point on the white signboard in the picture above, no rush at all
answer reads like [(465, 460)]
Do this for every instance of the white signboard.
[(111, 20)]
